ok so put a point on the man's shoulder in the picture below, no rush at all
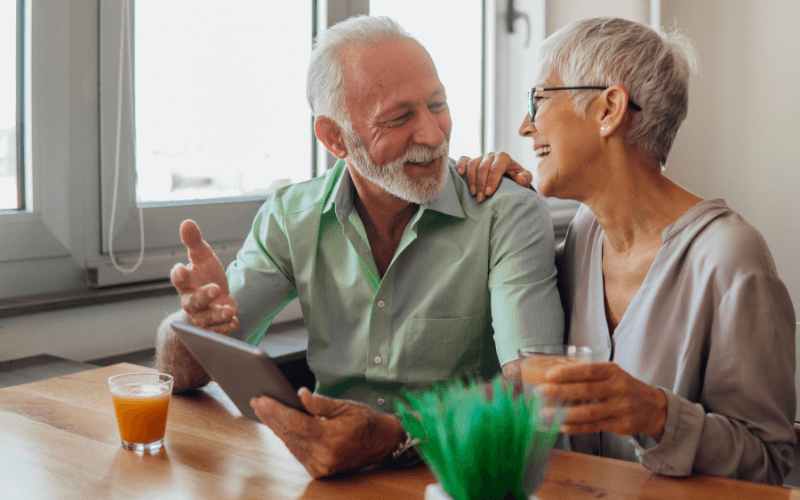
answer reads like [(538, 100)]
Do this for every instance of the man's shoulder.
[(306, 195), (508, 196)]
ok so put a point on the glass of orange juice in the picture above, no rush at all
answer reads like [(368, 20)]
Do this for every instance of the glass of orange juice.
[(141, 401), (535, 361)]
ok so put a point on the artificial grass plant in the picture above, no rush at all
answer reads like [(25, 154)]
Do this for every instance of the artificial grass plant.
[(479, 446)]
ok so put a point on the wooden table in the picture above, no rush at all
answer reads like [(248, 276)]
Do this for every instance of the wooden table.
[(59, 439)]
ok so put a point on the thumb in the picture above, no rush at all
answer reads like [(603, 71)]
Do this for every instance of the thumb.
[(192, 239), (317, 405)]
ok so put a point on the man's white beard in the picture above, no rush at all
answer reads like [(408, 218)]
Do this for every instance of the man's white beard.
[(392, 177)]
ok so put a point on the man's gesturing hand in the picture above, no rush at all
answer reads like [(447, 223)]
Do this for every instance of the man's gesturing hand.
[(203, 286), (340, 436)]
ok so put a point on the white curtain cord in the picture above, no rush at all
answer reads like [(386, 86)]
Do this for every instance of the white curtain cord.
[(126, 23)]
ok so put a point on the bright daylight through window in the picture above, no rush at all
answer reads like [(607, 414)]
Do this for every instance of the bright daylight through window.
[(8, 106), (216, 115)]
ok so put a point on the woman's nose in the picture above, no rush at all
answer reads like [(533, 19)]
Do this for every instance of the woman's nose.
[(528, 127)]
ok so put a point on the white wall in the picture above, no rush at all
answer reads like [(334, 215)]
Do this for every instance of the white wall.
[(86, 333), (94, 332), (741, 140)]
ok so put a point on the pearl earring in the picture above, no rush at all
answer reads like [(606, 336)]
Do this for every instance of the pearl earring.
[(605, 128)]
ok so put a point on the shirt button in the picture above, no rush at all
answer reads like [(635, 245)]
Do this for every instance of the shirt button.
[(378, 360), (381, 304), (381, 401)]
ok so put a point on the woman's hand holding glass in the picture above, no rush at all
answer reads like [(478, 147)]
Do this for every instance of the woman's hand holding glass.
[(604, 397)]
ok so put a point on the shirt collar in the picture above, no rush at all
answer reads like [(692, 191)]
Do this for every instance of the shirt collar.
[(447, 202)]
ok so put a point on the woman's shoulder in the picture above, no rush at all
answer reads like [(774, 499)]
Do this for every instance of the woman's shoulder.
[(720, 239), (582, 228), (576, 249)]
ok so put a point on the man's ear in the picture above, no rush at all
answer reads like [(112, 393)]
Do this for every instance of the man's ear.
[(331, 136)]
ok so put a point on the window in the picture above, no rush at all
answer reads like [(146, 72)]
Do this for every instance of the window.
[(220, 117), (10, 93), (219, 113)]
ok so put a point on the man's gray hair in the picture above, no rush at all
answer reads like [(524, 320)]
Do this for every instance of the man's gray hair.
[(325, 68), (653, 67)]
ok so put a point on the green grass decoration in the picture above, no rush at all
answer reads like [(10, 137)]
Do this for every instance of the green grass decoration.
[(480, 447)]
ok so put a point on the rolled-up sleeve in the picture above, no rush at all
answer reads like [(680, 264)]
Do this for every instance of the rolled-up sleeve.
[(525, 303)]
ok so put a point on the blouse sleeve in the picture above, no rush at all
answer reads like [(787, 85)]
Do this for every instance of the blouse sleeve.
[(742, 425)]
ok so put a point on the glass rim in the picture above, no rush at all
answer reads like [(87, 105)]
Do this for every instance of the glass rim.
[(556, 350), (168, 378)]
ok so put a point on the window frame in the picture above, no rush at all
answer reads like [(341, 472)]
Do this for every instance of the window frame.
[(38, 244)]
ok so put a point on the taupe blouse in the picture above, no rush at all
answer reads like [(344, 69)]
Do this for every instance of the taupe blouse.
[(713, 326)]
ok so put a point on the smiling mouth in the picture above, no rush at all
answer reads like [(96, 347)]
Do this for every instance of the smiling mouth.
[(542, 151), (421, 164)]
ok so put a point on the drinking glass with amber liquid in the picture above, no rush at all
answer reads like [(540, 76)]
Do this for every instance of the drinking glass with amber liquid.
[(141, 402)]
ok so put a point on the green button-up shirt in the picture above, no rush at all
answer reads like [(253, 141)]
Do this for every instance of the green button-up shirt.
[(469, 285)]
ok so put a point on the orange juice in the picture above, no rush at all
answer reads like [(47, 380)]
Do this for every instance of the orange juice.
[(534, 367), (141, 401), (141, 412)]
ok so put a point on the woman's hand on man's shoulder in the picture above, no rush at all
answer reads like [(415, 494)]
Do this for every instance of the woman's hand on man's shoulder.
[(483, 173)]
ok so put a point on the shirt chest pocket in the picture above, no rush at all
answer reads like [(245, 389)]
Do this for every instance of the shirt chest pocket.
[(440, 349)]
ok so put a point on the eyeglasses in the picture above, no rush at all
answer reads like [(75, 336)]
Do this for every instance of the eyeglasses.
[(534, 99)]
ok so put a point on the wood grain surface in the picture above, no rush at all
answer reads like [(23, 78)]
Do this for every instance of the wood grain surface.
[(59, 439)]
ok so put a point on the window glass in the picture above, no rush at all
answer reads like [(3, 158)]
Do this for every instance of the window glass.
[(8, 106), (220, 112), (454, 39)]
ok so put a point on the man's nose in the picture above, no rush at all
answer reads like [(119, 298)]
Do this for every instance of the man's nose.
[(528, 127), (427, 130)]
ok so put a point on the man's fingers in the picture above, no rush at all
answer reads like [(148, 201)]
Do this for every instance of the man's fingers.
[(285, 422), (224, 328), (203, 297), (192, 239), (180, 275), (318, 405)]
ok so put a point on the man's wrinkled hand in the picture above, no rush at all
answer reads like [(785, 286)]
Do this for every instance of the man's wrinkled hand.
[(338, 436), (606, 398), (203, 285), (483, 174)]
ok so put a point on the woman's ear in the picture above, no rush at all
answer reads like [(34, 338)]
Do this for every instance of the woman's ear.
[(614, 107), (330, 134)]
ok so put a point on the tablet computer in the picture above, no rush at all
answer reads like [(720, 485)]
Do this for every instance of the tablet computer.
[(242, 370)]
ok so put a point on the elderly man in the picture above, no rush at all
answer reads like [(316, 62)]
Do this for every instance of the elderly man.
[(404, 279)]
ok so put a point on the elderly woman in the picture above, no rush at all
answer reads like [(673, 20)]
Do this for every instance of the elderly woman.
[(679, 294)]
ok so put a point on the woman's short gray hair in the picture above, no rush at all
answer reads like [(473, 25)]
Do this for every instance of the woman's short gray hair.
[(324, 89), (653, 67)]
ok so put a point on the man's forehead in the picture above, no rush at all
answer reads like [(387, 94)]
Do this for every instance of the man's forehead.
[(397, 65), (369, 59)]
